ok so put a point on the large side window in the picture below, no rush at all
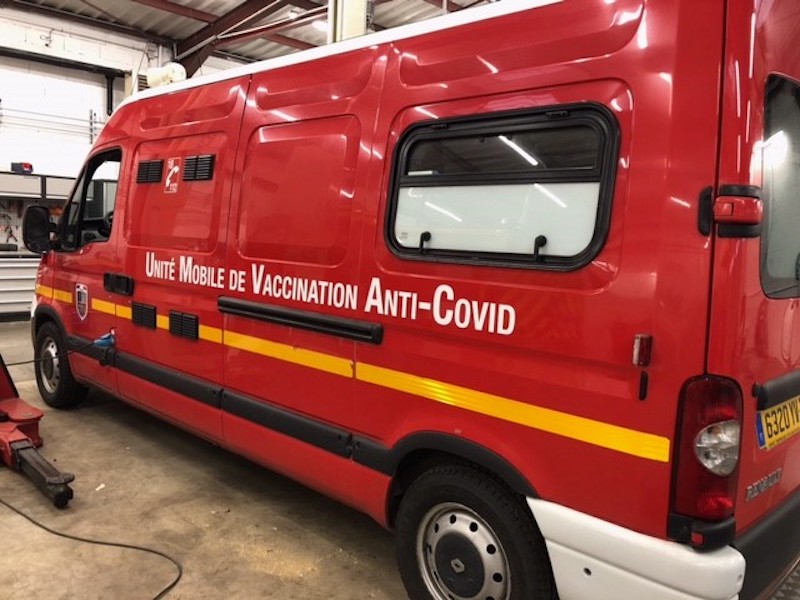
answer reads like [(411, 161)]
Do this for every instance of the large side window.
[(530, 189), (89, 214), (780, 248)]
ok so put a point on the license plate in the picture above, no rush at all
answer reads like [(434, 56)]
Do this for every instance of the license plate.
[(779, 423)]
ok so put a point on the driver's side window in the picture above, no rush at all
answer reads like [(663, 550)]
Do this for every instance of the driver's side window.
[(89, 215)]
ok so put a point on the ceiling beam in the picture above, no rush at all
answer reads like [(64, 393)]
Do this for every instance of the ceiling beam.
[(212, 35), (244, 14), (194, 60), (28, 5), (269, 31), (64, 15), (194, 50), (179, 9), (241, 35), (451, 6), (307, 4), (289, 41), (101, 10)]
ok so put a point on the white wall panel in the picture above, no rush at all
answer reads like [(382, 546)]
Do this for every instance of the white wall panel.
[(45, 110), (41, 34), (45, 115)]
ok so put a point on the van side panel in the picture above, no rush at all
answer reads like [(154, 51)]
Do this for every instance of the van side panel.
[(543, 395), (291, 323), (174, 222)]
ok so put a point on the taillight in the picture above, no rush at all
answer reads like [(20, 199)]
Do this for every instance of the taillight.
[(707, 449)]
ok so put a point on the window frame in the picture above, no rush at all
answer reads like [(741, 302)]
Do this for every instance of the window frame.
[(78, 200), (596, 116), (774, 287)]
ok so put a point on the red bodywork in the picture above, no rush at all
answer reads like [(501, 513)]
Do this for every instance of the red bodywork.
[(685, 84)]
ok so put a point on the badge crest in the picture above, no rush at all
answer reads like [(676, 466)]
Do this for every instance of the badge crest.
[(82, 300)]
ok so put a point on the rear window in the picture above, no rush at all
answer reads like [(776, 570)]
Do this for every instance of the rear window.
[(530, 189), (780, 248)]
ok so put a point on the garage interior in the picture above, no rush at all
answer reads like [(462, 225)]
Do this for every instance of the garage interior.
[(237, 530), (158, 512)]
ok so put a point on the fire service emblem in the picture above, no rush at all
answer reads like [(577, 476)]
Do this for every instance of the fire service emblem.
[(81, 300)]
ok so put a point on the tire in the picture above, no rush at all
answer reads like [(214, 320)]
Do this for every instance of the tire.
[(462, 535), (57, 386)]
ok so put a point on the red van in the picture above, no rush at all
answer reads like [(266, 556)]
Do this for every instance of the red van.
[(522, 283)]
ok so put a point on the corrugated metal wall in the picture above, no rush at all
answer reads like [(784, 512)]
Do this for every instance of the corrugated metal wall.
[(17, 278)]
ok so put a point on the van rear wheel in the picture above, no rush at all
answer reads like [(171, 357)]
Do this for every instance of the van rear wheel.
[(57, 386), (461, 535)]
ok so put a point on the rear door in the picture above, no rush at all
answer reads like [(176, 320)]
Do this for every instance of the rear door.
[(755, 317)]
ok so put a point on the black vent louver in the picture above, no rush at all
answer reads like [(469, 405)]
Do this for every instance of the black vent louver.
[(150, 171), (199, 168), (143, 315), (184, 325)]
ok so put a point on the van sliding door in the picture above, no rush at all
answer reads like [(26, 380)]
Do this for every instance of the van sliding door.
[(292, 316)]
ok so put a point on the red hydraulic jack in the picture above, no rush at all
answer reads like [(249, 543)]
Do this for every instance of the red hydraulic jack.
[(19, 438)]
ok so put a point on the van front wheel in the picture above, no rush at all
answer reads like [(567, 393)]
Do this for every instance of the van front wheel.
[(462, 535), (57, 386)]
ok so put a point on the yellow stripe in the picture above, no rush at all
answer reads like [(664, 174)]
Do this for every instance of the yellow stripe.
[(62, 296), (598, 433), (621, 439), (43, 290), (297, 356), (211, 334), (103, 306)]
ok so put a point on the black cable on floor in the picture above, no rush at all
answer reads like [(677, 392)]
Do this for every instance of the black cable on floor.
[(62, 355), (76, 538)]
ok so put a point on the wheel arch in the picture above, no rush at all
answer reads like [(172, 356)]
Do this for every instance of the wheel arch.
[(57, 385), (420, 452), (44, 314)]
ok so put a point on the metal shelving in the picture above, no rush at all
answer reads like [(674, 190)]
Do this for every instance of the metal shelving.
[(17, 265)]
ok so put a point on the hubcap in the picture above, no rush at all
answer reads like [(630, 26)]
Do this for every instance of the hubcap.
[(461, 556), (49, 366)]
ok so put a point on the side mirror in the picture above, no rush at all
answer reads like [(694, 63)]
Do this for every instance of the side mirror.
[(36, 229)]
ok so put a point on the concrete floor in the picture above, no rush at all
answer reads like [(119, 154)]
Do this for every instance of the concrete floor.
[(240, 531)]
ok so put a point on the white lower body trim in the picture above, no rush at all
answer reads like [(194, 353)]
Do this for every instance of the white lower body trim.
[(593, 559)]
